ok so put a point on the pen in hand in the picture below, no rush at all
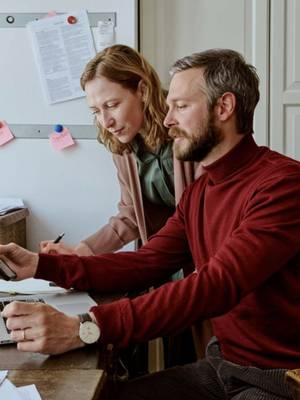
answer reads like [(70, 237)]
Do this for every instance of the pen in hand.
[(57, 240), (59, 237)]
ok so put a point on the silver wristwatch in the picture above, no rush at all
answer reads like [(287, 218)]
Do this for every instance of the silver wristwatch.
[(89, 331)]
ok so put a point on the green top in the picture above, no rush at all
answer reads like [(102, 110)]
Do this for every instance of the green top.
[(156, 176), (156, 172)]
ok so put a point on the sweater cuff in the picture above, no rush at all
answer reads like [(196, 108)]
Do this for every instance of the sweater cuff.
[(48, 267), (114, 328)]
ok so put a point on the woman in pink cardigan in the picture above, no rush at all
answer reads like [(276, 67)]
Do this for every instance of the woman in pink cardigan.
[(125, 95)]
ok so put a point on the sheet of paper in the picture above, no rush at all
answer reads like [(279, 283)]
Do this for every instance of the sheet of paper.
[(8, 204), (106, 34), (29, 392), (61, 140), (5, 133), (3, 375), (62, 46), (29, 286), (8, 391)]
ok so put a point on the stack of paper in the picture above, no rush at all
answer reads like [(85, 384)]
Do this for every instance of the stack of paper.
[(30, 286), (8, 205), (10, 392)]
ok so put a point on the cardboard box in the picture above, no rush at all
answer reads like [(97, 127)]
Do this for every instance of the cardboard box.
[(13, 227)]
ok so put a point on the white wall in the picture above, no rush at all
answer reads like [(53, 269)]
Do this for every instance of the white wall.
[(171, 29), (73, 191)]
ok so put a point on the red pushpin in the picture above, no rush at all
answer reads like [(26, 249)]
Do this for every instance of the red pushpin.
[(71, 19)]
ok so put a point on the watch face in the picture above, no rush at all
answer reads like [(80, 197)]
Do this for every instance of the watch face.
[(89, 332)]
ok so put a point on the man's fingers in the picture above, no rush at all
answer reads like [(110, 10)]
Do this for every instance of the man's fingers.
[(17, 308), (21, 335), (32, 345), (8, 251)]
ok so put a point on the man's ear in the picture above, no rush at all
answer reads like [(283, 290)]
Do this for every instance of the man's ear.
[(225, 107)]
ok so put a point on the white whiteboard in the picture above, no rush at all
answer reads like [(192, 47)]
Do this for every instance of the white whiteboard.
[(24, 101), (72, 191)]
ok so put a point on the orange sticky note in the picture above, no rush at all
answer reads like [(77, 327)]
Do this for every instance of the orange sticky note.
[(61, 140), (5, 133)]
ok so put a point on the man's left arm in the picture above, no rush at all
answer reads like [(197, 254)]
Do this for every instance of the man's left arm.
[(264, 244)]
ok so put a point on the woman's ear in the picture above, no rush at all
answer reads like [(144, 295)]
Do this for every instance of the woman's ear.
[(141, 89), (226, 106)]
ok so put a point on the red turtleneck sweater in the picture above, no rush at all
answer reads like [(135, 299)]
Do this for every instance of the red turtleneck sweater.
[(240, 223)]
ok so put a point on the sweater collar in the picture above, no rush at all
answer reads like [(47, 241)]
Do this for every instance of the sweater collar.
[(232, 161)]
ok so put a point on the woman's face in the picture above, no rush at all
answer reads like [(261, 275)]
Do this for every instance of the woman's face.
[(117, 109)]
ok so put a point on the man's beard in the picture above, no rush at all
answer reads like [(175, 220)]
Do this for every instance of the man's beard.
[(199, 145)]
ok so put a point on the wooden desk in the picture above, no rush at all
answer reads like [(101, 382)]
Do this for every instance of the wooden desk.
[(76, 375), (65, 384)]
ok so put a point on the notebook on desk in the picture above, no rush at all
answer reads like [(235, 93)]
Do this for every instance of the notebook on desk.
[(71, 303)]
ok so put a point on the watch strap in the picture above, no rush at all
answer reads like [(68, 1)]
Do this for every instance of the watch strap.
[(85, 317)]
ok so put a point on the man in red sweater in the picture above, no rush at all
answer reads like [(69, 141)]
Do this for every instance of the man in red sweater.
[(240, 225)]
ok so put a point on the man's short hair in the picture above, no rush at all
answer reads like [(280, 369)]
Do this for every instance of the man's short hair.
[(224, 71)]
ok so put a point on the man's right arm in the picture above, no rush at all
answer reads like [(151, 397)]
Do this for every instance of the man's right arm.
[(163, 255), (20, 260)]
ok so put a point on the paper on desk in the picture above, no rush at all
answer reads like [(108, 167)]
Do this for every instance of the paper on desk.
[(29, 392), (3, 375), (9, 392), (8, 204), (29, 286)]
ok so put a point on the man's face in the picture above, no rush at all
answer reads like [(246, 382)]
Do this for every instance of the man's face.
[(192, 125)]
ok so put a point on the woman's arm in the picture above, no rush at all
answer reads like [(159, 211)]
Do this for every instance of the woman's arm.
[(129, 223)]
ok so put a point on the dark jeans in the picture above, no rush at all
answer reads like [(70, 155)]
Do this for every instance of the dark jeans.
[(178, 350), (212, 378)]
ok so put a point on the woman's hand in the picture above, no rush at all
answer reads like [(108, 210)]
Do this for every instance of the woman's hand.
[(48, 247), (21, 261)]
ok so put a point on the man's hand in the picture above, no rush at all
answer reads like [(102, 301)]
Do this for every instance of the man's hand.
[(41, 328), (22, 261)]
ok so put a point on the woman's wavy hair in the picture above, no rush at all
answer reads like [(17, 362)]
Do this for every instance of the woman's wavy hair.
[(123, 65)]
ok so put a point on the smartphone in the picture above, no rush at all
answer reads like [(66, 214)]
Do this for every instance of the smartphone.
[(6, 272)]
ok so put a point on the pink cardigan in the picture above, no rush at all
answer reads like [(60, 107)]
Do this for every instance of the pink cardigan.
[(136, 218)]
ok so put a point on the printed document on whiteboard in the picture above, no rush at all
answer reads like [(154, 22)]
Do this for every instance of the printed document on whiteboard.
[(62, 46)]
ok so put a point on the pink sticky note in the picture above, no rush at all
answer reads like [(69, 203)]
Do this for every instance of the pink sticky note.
[(51, 13), (5, 133), (61, 140)]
